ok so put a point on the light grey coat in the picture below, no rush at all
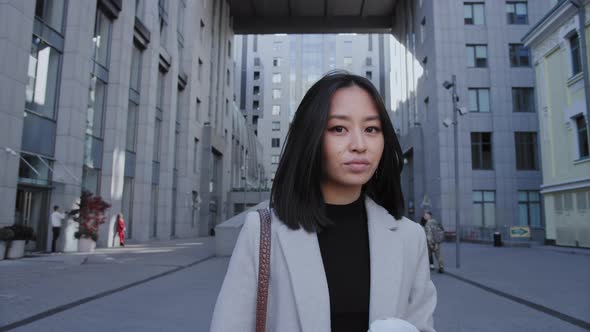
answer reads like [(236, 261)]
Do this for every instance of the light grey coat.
[(298, 292)]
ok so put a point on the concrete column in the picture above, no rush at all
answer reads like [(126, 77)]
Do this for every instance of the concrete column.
[(15, 42)]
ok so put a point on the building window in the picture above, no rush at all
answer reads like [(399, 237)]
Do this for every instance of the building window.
[(202, 31), (276, 125), (529, 208), (195, 155), (516, 12), (229, 48), (91, 180), (575, 54), (101, 39), (481, 151), (369, 75), (180, 15), (256, 61), (423, 29), (132, 115), (256, 75), (523, 100), (484, 208), (473, 13), (200, 69), (135, 81), (479, 100), (274, 159), (51, 12), (276, 62), (369, 61), (477, 56), (347, 61), (96, 105), (526, 150), (227, 77), (198, 112), (276, 78), (43, 75), (256, 90), (277, 46), (162, 8), (582, 129), (581, 201), (276, 109), (519, 55), (276, 142), (276, 93), (255, 104)]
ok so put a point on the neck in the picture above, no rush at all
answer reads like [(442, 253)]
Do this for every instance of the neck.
[(340, 195)]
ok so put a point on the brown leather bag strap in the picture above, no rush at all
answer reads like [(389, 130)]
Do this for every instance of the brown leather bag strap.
[(263, 270)]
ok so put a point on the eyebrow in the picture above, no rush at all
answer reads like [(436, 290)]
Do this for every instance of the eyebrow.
[(345, 117)]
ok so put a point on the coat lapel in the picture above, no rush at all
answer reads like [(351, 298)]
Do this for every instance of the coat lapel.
[(308, 279), (386, 248)]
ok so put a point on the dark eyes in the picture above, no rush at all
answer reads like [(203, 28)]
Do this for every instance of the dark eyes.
[(341, 129)]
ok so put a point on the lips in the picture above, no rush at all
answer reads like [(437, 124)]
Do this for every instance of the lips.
[(357, 165), (357, 162)]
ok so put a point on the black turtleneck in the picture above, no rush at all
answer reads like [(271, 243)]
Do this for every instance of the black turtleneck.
[(345, 253)]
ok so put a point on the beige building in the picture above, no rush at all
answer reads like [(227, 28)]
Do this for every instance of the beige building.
[(560, 59)]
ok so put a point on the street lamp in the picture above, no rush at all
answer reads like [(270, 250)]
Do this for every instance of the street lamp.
[(447, 123)]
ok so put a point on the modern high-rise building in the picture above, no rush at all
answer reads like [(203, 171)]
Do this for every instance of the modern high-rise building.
[(275, 72), (132, 100), (499, 169)]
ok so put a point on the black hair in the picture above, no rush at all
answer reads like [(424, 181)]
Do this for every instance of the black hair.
[(296, 195), (55, 207)]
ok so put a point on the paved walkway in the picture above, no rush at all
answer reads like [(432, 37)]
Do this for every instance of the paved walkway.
[(173, 285)]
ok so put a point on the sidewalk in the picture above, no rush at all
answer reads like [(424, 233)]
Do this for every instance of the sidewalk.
[(32, 286), (554, 278), (173, 286)]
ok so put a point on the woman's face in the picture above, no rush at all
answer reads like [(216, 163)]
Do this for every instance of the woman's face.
[(352, 141)]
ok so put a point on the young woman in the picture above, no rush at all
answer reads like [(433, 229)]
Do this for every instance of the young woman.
[(342, 254)]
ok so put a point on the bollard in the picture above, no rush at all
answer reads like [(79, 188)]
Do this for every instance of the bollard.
[(497, 239)]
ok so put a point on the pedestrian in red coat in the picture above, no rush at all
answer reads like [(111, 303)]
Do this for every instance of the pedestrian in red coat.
[(121, 229)]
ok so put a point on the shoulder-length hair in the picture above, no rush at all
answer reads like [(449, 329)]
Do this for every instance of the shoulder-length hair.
[(296, 195)]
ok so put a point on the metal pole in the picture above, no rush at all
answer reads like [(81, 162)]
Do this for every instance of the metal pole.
[(456, 134)]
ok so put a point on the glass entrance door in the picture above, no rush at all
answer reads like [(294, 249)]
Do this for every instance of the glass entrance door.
[(32, 210)]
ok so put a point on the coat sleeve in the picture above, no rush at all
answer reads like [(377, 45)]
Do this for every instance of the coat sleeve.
[(423, 294), (235, 309)]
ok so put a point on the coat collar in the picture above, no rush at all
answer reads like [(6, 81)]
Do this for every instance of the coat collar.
[(308, 279)]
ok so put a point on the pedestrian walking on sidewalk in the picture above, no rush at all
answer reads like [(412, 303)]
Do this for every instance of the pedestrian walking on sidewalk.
[(120, 223), (430, 259), (435, 234), (56, 218), (341, 255)]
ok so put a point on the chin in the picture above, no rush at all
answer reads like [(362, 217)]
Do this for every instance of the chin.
[(355, 180)]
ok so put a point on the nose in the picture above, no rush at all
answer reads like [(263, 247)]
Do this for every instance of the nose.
[(358, 141)]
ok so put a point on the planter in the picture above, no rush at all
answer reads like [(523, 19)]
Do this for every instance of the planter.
[(3, 245), (86, 245), (16, 249)]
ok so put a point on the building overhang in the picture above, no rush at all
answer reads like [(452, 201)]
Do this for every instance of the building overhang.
[(312, 16)]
